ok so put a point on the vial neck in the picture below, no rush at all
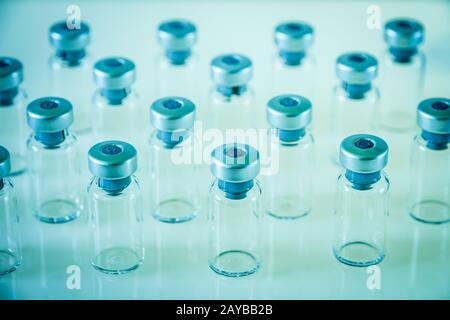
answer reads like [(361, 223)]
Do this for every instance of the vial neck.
[(292, 58), (72, 58), (178, 57), (362, 181), (290, 135), (436, 141), (172, 138), (51, 139), (7, 97), (235, 190), (229, 91), (115, 97), (114, 186), (356, 91), (402, 55)]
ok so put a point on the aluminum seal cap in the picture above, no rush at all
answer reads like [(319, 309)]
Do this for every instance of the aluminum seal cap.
[(172, 113), (177, 35), (363, 153), (433, 115), (11, 73), (289, 112), (49, 114), (112, 160), (294, 36), (356, 68), (114, 73), (231, 70), (5, 162), (63, 38), (235, 162), (404, 33)]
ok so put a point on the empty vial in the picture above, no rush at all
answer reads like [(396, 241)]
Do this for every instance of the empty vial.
[(294, 66), (13, 132), (430, 163), (401, 74), (53, 161), (172, 172), (355, 98), (361, 201), (10, 251), (234, 211), (71, 69), (115, 208), (287, 192)]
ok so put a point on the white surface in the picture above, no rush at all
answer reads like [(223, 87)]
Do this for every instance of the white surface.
[(299, 263)]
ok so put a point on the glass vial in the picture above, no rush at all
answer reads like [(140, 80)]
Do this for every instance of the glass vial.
[(354, 100), (288, 189), (13, 132), (430, 163), (402, 74), (115, 208), (53, 161), (174, 195), (234, 211), (294, 65), (361, 201), (71, 70), (10, 250)]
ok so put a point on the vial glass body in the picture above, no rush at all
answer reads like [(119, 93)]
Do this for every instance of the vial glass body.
[(115, 221), (360, 222), (234, 232), (54, 177), (73, 82), (174, 193), (288, 187), (430, 183), (14, 132), (10, 250), (351, 116), (402, 86)]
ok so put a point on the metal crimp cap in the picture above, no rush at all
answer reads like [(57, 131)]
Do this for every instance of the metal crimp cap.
[(235, 162), (49, 114), (289, 112), (114, 73), (177, 35), (294, 36), (172, 113), (363, 153), (11, 73), (356, 68), (231, 70), (63, 38), (404, 33), (112, 160), (5, 162), (433, 115)]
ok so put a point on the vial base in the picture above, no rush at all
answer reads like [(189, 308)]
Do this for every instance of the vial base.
[(117, 260), (8, 262), (174, 211), (287, 208), (431, 211), (18, 164), (398, 121), (234, 263), (359, 254), (58, 211)]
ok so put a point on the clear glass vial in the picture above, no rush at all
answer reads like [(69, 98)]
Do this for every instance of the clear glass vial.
[(10, 250), (294, 66), (115, 208), (402, 74), (234, 211), (355, 98), (71, 70), (288, 189), (361, 205), (430, 163), (13, 132), (231, 101), (172, 173), (53, 161)]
